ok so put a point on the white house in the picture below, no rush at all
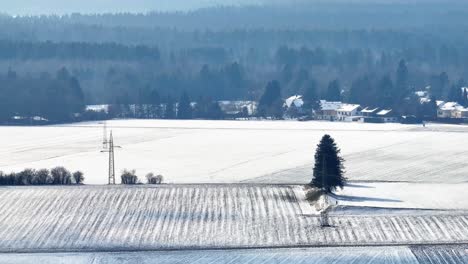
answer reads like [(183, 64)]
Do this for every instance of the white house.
[(451, 110), (348, 112), (387, 116), (295, 100), (369, 112), (328, 110)]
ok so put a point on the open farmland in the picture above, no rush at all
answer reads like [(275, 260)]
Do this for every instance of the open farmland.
[(101, 218), (242, 151), (387, 255), (357, 255)]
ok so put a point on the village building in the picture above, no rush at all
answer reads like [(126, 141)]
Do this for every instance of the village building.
[(236, 108), (369, 112), (387, 116), (449, 110), (328, 110), (295, 101), (294, 106), (348, 112)]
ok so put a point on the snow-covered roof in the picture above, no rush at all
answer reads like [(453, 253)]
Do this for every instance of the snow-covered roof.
[(439, 103), (424, 100), (296, 100), (369, 110), (39, 118), (421, 93), (450, 106), (97, 108), (326, 105), (384, 112), (348, 107)]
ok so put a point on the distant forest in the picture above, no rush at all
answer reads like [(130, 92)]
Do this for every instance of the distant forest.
[(232, 53)]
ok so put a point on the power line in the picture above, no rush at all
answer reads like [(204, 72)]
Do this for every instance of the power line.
[(109, 148)]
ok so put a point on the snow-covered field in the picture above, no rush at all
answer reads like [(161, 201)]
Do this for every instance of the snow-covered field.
[(242, 151), (200, 216), (380, 255), (405, 195)]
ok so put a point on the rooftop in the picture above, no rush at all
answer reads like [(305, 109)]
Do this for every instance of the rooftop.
[(348, 107), (296, 100)]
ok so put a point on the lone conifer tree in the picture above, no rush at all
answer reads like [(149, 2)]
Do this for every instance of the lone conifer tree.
[(328, 169)]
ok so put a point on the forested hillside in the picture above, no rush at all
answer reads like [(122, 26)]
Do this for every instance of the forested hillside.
[(232, 53)]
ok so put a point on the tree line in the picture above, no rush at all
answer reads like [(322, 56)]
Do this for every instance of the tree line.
[(27, 50), (55, 176), (57, 98)]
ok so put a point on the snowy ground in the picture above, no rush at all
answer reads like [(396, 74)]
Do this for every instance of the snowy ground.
[(242, 151), (405, 195), (380, 255), (100, 218)]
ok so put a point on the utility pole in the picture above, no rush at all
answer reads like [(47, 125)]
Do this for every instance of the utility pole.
[(110, 149)]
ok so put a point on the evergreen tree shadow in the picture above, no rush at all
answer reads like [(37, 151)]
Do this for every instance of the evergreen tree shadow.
[(351, 198)]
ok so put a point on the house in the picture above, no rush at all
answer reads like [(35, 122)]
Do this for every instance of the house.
[(461, 113), (294, 105), (328, 110), (448, 109), (234, 108), (98, 108), (348, 112), (387, 116), (369, 112), (295, 100)]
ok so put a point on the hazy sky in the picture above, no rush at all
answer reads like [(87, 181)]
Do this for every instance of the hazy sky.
[(21, 7)]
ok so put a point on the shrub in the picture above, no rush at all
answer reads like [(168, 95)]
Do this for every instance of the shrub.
[(154, 179), (78, 177), (129, 177), (313, 194)]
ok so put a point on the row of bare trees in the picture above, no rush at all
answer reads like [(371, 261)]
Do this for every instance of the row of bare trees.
[(55, 176), (129, 177)]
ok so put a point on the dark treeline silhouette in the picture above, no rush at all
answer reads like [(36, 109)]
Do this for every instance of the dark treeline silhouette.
[(56, 98), (23, 50), (129, 177), (56, 176)]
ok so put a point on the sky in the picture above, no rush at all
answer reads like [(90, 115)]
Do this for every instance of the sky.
[(35, 7)]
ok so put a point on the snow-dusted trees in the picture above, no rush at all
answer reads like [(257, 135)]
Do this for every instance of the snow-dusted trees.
[(129, 177), (56, 176), (78, 177), (151, 178), (329, 168), (60, 176)]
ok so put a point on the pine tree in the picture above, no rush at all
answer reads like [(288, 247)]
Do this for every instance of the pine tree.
[(169, 112), (270, 103), (465, 97), (401, 83), (310, 96), (329, 168), (184, 108), (333, 91)]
